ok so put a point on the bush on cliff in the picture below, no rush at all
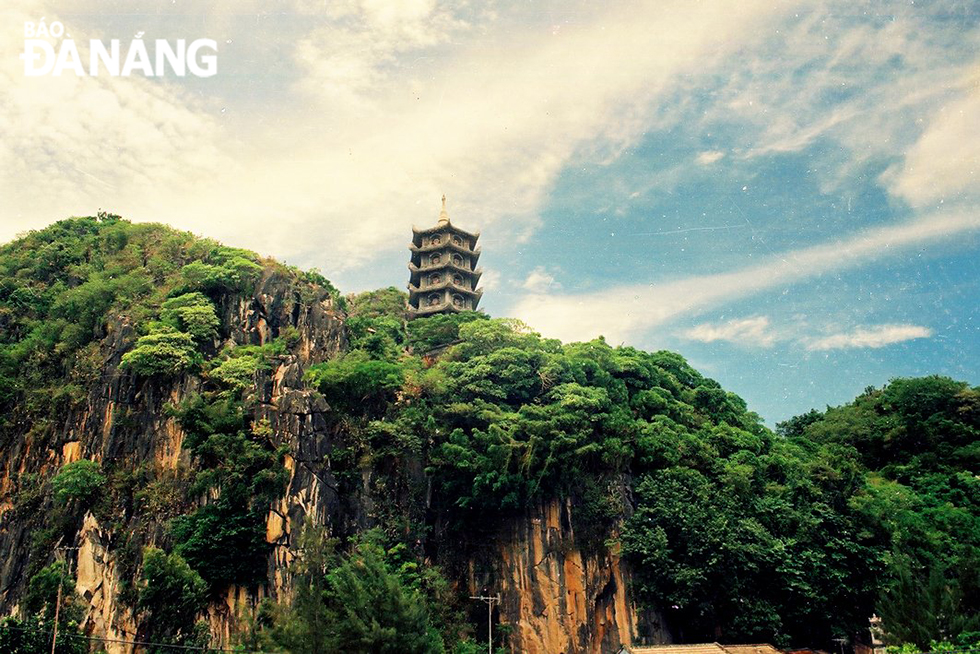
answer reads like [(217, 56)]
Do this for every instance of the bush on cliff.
[(367, 600), (164, 352)]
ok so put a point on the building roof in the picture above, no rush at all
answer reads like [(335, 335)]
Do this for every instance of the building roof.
[(702, 648), (469, 292), (763, 648), (416, 272)]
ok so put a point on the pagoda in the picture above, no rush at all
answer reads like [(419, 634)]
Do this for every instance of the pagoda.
[(443, 269)]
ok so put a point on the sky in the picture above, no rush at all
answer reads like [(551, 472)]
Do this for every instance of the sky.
[(786, 193)]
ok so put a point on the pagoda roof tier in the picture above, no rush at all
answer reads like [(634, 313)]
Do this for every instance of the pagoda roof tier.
[(438, 246), (417, 272), (417, 290), (449, 227)]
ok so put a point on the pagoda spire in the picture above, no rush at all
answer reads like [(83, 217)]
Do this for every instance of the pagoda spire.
[(443, 215)]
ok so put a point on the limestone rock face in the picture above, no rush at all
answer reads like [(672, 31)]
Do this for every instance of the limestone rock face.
[(554, 597)]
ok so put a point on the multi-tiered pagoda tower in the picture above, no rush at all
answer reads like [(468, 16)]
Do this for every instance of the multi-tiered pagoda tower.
[(443, 268)]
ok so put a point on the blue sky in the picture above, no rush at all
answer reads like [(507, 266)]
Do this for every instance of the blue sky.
[(786, 193)]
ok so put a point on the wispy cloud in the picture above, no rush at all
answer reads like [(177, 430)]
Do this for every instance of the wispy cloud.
[(709, 157), (625, 311), (759, 332), (70, 145), (830, 76), (869, 337), (944, 164), (540, 281), (755, 332)]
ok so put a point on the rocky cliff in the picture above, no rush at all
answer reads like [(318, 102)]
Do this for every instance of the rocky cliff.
[(554, 597)]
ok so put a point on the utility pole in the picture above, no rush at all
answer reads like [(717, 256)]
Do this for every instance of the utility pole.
[(490, 602), (57, 606)]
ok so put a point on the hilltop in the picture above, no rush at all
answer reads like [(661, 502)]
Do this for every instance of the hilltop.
[(242, 455)]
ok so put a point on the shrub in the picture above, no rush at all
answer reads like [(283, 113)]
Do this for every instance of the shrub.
[(224, 541), (237, 373), (42, 589), (79, 480), (425, 334), (164, 351), (171, 591), (236, 274), (356, 382), (191, 313)]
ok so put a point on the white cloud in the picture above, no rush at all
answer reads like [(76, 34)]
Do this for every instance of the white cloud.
[(393, 104), (945, 162), (69, 145), (624, 312), (393, 107), (345, 59), (755, 331), (872, 337), (540, 280), (709, 157)]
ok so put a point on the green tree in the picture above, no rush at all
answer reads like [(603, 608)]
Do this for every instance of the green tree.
[(32, 633), (918, 441), (356, 383), (170, 595), (375, 612), (306, 626)]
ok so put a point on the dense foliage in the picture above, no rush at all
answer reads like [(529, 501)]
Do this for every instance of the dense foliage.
[(917, 443), (371, 599), (448, 425), (735, 532), (60, 287), (224, 540), (66, 288), (171, 594)]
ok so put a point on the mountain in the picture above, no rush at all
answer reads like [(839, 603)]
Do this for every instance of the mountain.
[(199, 445)]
